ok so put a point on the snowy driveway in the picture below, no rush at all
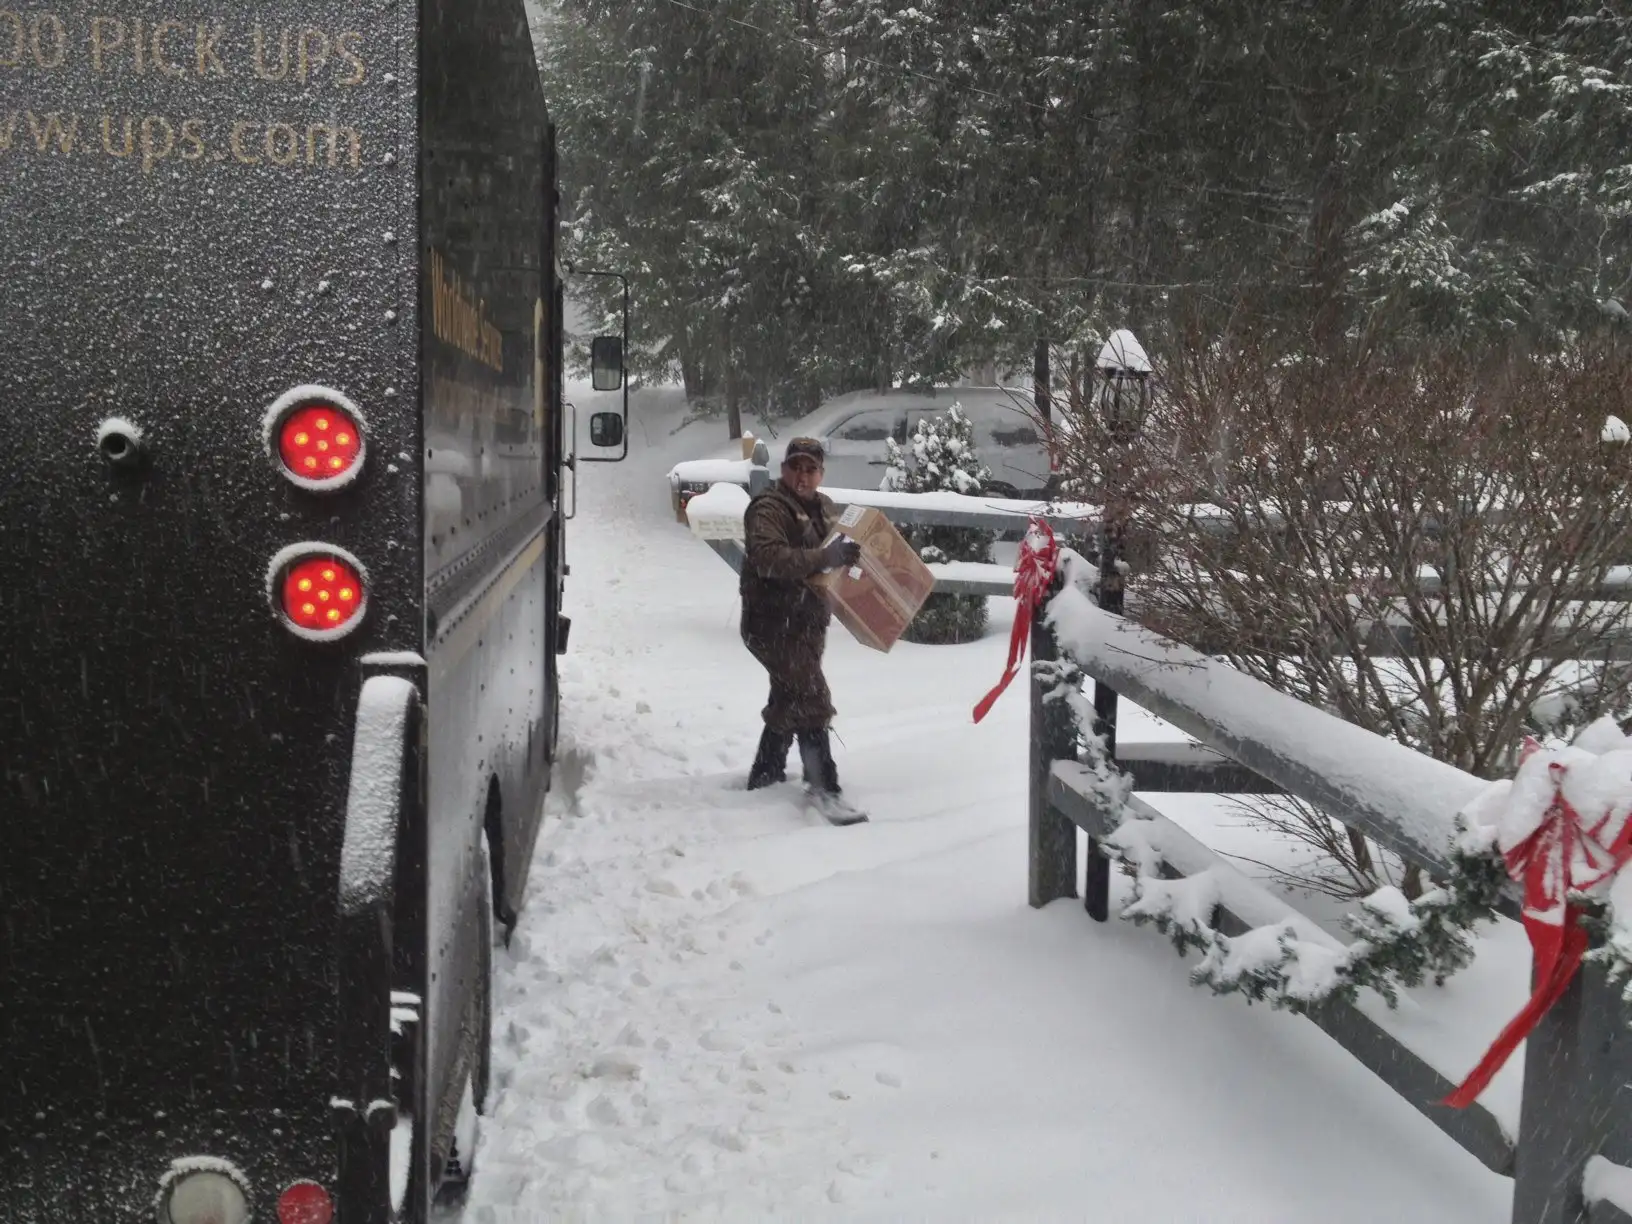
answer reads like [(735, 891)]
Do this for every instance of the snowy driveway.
[(713, 1009)]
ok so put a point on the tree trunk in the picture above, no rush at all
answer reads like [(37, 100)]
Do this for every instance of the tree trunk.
[(1040, 388), (733, 402), (691, 372), (1328, 229)]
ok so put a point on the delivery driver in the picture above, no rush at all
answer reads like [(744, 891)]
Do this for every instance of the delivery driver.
[(784, 618)]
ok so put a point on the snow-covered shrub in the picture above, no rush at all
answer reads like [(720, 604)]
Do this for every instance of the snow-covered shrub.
[(1417, 544), (940, 457)]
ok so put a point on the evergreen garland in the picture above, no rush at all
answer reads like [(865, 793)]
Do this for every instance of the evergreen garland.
[(1398, 943)]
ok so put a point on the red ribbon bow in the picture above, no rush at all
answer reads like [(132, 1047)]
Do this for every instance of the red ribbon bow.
[(1563, 855), (1033, 574)]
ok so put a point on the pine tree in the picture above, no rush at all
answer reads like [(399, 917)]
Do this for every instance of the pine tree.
[(940, 457), (842, 194)]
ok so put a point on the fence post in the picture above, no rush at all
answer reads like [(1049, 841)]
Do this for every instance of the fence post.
[(1577, 1094), (1053, 738), (1096, 887)]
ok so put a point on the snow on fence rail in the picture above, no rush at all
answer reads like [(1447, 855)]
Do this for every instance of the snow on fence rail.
[(1568, 1142), (716, 517)]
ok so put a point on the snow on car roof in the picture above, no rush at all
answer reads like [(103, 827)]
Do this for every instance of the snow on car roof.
[(833, 410)]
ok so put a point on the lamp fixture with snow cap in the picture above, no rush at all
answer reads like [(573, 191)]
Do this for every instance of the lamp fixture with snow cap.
[(1124, 389)]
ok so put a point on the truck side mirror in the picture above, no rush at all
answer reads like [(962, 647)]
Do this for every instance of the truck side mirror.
[(606, 430), (606, 363)]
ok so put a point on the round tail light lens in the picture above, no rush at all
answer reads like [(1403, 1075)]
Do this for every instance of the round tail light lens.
[(203, 1197), (319, 442), (317, 438), (305, 1202), (320, 591)]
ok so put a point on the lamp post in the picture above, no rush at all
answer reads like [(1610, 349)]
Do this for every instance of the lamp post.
[(1123, 399)]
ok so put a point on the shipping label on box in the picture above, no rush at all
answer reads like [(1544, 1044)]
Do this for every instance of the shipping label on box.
[(877, 598)]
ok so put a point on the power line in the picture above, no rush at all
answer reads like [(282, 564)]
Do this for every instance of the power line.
[(820, 50)]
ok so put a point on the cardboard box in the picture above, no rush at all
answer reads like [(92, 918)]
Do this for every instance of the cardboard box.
[(877, 598)]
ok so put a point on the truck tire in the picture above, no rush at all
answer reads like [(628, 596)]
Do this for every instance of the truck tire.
[(459, 1167)]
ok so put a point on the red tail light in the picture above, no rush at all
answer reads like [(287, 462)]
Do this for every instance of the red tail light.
[(320, 590), (316, 437), (320, 442), (305, 1202), (323, 593)]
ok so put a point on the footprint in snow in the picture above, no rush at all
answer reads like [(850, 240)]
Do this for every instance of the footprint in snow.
[(697, 1163), (730, 1140), (861, 1165), (603, 1111), (615, 1066)]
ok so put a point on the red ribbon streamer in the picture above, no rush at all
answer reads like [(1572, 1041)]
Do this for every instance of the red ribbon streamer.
[(1547, 862), (1033, 574)]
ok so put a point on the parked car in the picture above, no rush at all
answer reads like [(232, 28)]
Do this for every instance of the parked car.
[(855, 430)]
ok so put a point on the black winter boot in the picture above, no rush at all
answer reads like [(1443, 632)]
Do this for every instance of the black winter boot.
[(822, 779), (816, 754), (771, 761)]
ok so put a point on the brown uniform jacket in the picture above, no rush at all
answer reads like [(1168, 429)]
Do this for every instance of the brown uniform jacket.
[(784, 543)]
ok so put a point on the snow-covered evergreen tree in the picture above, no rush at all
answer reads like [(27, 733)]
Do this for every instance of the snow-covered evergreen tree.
[(941, 457)]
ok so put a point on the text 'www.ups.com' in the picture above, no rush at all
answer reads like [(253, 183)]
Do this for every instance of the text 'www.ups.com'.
[(150, 141), (40, 49)]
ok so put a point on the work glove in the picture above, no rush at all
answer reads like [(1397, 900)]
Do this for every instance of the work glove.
[(840, 553)]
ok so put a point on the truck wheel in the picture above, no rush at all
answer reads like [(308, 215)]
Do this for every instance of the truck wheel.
[(406, 1177), (459, 1166), (555, 710)]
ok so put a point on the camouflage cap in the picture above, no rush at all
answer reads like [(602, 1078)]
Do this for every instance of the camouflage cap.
[(808, 447)]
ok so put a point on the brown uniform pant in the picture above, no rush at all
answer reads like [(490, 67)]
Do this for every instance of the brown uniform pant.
[(800, 700)]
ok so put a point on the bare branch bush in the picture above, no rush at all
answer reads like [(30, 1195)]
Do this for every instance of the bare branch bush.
[(1421, 549)]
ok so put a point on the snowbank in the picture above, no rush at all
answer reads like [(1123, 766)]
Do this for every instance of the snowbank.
[(711, 471)]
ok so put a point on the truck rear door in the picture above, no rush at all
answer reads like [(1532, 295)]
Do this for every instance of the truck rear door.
[(201, 208)]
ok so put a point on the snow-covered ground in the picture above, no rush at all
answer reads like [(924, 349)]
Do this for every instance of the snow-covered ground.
[(714, 1008)]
